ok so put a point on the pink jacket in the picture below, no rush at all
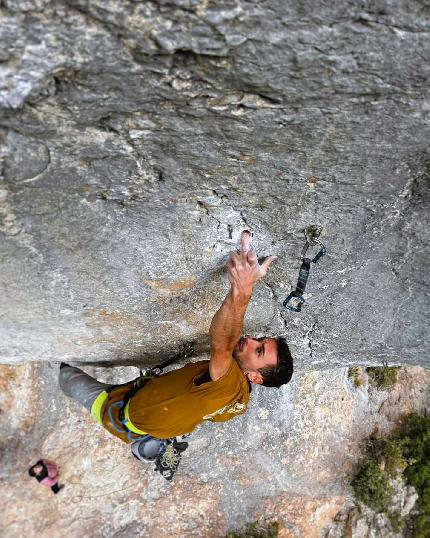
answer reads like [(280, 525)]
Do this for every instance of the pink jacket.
[(53, 473)]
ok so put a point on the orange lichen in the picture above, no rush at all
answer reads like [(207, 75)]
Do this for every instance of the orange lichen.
[(163, 285)]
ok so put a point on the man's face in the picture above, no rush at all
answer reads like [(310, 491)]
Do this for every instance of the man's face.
[(253, 353)]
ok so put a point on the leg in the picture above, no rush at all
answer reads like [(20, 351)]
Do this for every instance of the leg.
[(55, 488), (80, 386)]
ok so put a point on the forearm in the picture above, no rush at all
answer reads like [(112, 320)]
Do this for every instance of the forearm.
[(243, 272), (227, 324)]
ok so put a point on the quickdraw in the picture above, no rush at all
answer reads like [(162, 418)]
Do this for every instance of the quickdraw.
[(186, 351), (295, 299)]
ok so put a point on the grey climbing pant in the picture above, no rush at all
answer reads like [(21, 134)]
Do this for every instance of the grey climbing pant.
[(80, 386), (84, 389)]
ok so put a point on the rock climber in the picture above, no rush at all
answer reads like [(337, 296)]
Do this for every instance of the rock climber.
[(152, 416)]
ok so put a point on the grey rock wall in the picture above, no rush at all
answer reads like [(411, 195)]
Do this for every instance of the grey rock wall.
[(290, 458), (139, 138)]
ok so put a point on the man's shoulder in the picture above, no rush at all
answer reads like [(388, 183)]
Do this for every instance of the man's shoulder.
[(234, 373), (235, 381), (237, 372)]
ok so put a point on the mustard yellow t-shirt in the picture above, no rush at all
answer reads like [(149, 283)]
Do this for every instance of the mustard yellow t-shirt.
[(173, 404)]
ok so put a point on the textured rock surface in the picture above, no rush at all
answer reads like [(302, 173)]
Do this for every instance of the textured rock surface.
[(139, 138), (356, 520), (290, 458)]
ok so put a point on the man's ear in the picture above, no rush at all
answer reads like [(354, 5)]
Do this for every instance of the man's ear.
[(254, 377)]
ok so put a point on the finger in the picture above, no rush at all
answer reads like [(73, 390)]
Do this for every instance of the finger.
[(267, 263), (245, 240), (252, 257), (230, 265), (231, 272), (234, 257)]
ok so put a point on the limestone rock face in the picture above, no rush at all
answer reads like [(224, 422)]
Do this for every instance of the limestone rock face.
[(290, 458), (139, 138)]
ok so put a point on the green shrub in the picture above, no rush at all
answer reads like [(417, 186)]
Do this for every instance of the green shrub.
[(355, 375), (371, 486), (406, 452), (421, 526), (382, 377), (416, 435), (396, 521), (388, 453), (258, 529)]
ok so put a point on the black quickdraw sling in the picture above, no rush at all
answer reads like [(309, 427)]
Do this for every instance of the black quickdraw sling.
[(295, 299)]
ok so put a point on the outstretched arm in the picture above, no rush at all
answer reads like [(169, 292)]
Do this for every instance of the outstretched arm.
[(226, 328)]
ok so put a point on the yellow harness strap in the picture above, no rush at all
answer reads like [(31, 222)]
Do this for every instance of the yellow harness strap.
[(96, 408), (128, 424)]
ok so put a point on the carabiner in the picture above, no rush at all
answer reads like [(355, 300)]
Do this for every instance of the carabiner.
[(321, 251), (294, 301)]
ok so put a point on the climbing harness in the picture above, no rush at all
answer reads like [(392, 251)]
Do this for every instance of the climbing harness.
[(165, 453), (98, 405), (295, 299), (97, 408), (141, 381), (123, 413)]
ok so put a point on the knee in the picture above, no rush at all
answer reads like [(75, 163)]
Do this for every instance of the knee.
[(64, 377)]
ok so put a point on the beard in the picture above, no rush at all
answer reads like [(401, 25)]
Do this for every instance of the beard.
[(238, 359)]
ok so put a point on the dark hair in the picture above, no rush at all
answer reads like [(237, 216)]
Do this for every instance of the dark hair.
[(31, 470), (275, 376)]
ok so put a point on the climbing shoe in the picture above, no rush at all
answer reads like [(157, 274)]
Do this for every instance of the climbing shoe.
[(148, 448), (168, 462)]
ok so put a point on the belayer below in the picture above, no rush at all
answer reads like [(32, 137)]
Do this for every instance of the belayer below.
[(46, 473), (150, 416)]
